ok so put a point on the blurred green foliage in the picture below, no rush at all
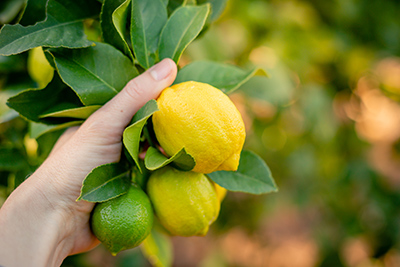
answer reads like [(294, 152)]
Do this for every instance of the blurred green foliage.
[(339, 201)]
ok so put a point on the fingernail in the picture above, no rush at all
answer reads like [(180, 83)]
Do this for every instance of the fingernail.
[(161, 70)]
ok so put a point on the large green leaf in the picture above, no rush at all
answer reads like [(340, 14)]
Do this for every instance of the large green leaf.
[(32, 103), (154, 160), (222, 76), (62, 27), (181, 29), (147, 21), (35, 11), (253, 176), (132, 134), (106, 182), (111, 34), (95, 73), (157, 248)]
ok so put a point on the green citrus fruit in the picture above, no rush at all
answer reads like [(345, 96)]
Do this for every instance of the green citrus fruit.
[(185, 203), (123, 222), (203, 120)]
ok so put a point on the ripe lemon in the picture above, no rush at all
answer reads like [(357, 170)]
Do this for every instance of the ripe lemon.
[(123, 222), (204, 120), (221, 191), (39, 68), (185, 203)]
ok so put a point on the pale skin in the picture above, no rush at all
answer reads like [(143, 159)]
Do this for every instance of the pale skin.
[(41, 223)]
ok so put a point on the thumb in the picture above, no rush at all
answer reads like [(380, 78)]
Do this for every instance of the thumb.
[(116, 114)]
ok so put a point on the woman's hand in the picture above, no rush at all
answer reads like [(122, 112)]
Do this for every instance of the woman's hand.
[(41, 223)]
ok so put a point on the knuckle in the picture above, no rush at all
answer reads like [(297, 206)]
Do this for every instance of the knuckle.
[(134, 90)]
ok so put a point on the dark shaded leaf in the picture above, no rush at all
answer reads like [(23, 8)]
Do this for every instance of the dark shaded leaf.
[(115, 9), (9, 10), (35, 11), (11, 159), (32, 103)]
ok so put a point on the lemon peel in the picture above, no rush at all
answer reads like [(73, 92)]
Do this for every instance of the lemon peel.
[(203, 120)]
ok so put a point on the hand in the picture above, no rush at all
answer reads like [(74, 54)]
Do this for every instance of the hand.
[(41, 223)]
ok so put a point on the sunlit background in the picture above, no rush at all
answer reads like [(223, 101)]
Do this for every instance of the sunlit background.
[(327, 122)]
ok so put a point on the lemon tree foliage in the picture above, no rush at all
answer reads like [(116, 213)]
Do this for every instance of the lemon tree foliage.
[(253, 176), (96, 74), (63, 26), (222, 76), (106, 182), (90, 50), (154, 160)]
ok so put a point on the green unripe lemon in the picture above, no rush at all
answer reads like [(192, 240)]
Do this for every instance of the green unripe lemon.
[(185, 203), (123, 222)]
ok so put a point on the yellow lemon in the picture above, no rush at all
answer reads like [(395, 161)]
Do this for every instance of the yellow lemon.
[(123, 222), (221, 192), (39, 68), (185, 203), (203, 120)]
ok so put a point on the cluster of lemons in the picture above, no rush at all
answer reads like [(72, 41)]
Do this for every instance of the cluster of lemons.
[(204, 121)]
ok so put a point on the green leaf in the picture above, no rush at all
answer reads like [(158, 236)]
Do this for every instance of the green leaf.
[(62, 27), (157, 248), (154, 160), (105, 182), (132, 134), (253, 176), (35, 11), (37, 130), (181, 29), (32, 103), (217, 7), (225, 77), (147, 21), (60, 111), (111, 33), (96, 73), (120, 18)]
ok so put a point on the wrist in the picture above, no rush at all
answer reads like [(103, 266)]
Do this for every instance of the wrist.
[(30, 227)]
